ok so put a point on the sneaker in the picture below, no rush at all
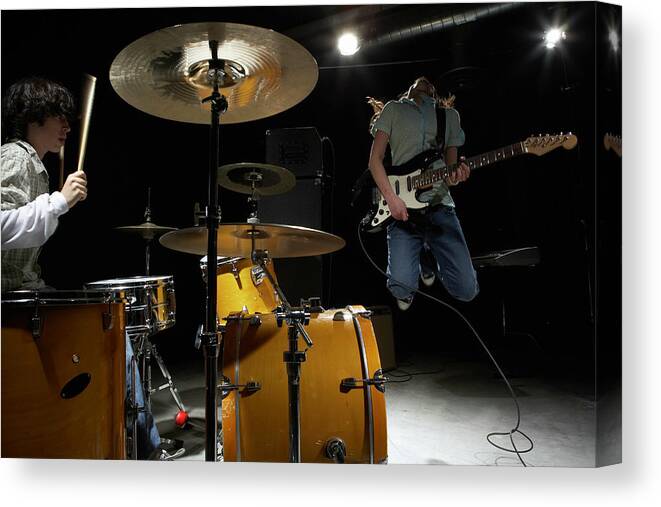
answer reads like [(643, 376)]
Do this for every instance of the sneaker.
[(404, 304), (428, 278)]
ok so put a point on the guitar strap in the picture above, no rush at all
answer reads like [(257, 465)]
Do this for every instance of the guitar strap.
[(441, 114)]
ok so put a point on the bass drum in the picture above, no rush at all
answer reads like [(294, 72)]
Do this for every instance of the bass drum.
[(63, 375), (242, 286), (255, 415)]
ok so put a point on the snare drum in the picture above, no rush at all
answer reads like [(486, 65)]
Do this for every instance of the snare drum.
[(242, 286), (63, 375), (150, 302), (255, 413)]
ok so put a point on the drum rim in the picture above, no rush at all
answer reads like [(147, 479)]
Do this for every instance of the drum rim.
[(59, 297), (225, 260), (139, 281)]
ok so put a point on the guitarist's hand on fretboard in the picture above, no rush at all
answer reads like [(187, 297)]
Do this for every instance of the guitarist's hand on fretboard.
[(461, 173), (397, 208)]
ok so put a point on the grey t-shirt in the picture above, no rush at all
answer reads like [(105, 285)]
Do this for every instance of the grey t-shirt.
[(412, 129)]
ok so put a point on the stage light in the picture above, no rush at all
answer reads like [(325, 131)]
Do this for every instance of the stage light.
[(553, 36), (348, 44), (614, 40)]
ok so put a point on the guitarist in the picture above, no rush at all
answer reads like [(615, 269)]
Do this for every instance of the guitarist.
[(410, 126)]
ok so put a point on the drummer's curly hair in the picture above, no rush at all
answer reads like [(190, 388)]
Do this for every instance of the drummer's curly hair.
[(32, 100)]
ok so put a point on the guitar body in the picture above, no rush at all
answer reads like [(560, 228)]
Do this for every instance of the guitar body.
[(400, 178)]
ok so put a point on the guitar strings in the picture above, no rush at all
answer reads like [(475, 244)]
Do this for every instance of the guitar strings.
[(489, 436)]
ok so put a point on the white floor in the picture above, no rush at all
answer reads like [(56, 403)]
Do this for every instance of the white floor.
[(440, 418)]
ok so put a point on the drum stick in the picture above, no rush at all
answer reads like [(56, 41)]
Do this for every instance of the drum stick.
[(61, 167), (87, 100)]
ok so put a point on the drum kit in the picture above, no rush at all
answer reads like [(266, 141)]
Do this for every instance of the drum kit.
[(200, 73)]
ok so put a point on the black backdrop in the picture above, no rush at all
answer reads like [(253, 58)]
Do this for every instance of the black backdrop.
[(507, 86)]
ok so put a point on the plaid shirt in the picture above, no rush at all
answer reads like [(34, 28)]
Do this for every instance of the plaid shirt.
[(24, 177)]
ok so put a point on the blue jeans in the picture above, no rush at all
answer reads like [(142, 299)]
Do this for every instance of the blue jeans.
[(148, 437), (440, 231)]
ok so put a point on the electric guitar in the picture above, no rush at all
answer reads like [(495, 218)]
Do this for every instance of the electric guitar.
[(412, 178)]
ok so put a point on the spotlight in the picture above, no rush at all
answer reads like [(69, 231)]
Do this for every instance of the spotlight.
[(553, 37), (614, 40), (348, 44)]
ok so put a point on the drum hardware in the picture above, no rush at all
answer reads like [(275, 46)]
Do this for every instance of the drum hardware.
[(326, 412), (378, 380), (36, 324), (295, 318), (167, 72), (257, 274), (148, 230), (368, 392), (314, 303), (150, 308), (132, 411), (108, 319), (336, 449), (249, 387), (256, 180)]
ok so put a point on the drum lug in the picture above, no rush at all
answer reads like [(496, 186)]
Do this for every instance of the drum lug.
[(108, 319), (248, 388), (339, 316), (257, 274), (378, 381), (36, 323), (36, 326)]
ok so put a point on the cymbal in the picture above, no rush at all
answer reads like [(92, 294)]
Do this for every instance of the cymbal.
[(268, 179), (165, 73), (240, 239), (147, 230)]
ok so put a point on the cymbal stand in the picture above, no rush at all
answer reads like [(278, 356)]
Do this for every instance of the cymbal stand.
[(149, 240), (210, 343), (253, 198), (296, 318)]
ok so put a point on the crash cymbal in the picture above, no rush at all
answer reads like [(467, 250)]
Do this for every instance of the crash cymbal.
[(147, 230), (165, 73), (268, 179), (240, 239)]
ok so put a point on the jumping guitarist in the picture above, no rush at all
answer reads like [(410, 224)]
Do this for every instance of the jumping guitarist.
[(415, 123)]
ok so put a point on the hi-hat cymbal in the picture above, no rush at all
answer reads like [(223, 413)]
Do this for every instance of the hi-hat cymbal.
[(267, 179), (165, 73), (147, 230), (241, 239)]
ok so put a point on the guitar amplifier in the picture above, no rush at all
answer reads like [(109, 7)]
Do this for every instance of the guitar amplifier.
[(297, 149), (383, 330)]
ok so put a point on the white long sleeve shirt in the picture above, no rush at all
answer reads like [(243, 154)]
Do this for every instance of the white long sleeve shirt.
[(32, 224)]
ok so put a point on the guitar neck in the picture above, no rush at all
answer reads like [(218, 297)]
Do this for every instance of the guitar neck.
[(431, 176)]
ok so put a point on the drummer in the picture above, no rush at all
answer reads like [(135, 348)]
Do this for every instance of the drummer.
[(35, 114), (35, 119)]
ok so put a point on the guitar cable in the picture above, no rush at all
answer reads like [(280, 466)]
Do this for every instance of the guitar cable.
[(489, 436)]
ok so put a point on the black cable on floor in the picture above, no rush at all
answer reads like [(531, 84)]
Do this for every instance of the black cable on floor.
[(514, 430)]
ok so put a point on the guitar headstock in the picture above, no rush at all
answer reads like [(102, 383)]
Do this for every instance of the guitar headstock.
[(614, 143), (540, 145)]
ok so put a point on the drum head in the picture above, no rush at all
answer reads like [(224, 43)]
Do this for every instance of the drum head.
[(130, 282)]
